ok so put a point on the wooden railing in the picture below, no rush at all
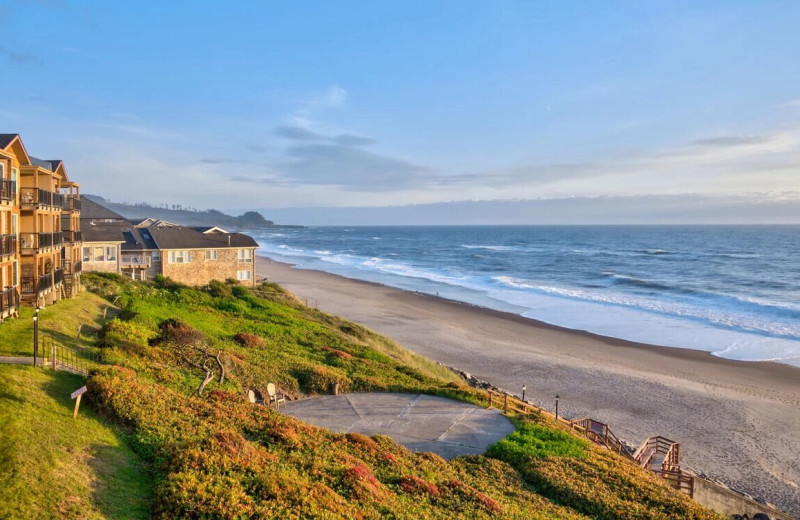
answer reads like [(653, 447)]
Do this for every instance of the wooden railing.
[(600, 434)]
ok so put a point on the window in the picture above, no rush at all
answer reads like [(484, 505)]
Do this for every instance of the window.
[(14, 224), (243, 275), (98, 254), (211, 254), (179, 257), (156, 256), (246, 255), (111, 254), (15, 274), (87, 254)]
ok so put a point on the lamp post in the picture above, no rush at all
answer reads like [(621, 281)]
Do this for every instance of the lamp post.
[(524, 387), (557, 406), (35, 334)]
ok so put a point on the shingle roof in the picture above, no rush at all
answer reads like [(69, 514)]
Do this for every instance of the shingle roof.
[(179, 237), (5, 139), (103, 231), (91, 210), (42, 163)]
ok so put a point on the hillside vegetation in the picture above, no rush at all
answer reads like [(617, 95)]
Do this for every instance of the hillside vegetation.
[(215, 455), (54, 467)]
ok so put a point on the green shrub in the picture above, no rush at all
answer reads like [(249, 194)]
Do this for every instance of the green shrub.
[(533, 440), (318, 379)]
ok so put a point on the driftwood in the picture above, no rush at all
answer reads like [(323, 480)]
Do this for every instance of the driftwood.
[(209, 372)]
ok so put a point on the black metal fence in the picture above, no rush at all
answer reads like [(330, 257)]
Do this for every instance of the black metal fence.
[(40, 198), (70, 203), (77, 361), (9, 300), (8, 245), (8, 190)]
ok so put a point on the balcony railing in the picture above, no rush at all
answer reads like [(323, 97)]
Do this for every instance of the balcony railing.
[(38, 198), (139, 261), (58, 277), (31, 285), (8, 190), (9, 300), (36, 242), (8, 245), (71, 237), (73, 269), (69, 203)]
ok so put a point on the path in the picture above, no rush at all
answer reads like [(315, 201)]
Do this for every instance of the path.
[(419, 422)]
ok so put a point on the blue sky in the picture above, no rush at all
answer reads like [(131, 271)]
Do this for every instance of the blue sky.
[(296, 104)]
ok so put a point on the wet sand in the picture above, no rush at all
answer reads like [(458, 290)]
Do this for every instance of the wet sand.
[(738, 422)]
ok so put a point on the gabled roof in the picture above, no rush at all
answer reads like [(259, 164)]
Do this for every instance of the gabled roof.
[(6, 139), (91, 210), (42, 163), (9, 140)]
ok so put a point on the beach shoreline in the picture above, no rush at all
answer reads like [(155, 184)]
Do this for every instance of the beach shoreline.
[(737, 421)]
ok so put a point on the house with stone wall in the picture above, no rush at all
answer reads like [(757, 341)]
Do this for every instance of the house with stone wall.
[(143, 249)]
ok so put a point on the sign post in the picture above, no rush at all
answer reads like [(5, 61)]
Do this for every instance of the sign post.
[(77, 393)]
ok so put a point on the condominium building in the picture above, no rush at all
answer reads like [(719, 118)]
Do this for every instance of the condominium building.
[(40, 228)]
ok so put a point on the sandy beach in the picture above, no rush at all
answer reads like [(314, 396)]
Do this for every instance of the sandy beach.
[(738, 422)]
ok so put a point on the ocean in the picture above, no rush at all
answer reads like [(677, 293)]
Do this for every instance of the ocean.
[(729, 290)]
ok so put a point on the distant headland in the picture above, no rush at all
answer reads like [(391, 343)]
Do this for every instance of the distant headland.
[(188, 216)]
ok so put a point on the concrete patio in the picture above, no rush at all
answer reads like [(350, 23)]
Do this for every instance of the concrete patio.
[(420, 422)]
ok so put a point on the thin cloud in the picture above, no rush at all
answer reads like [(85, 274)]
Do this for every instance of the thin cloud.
[(256, 148), (19, 57), (222, 160), (792, 103), (732, 140), (349, 168), (298, 133)]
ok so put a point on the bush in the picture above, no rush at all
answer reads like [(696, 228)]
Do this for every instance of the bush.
[(318, 379), (179, 333), (248, 340), (124, 334), (218, 289)]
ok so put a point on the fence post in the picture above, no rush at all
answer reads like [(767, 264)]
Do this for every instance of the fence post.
[(505, 403), (53, 353)]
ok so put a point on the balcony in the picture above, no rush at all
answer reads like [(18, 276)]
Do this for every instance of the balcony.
[(33, 286), (8, 191), (58, 277), (71, 237), (32, 243), (35, 198), (8, 245), (135, 261), (69, 203), (74, 269), (9, 301)]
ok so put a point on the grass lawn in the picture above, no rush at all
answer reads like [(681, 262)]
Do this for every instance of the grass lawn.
[(58, 322), (54, 467)]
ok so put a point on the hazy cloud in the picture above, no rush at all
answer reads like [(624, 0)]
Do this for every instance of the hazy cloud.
[(221, 160), (298, 133), (18, 57), (792, 103), (256, 148), (348, 167), (732, 140), (353, 140)]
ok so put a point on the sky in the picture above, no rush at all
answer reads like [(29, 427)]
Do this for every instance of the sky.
[(283, 105)]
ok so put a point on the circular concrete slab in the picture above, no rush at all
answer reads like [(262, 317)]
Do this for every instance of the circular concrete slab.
[(420, 422)]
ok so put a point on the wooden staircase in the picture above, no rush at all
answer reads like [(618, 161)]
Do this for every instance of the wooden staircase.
[(658, 454)]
